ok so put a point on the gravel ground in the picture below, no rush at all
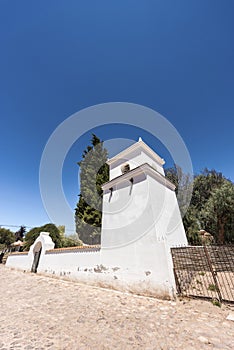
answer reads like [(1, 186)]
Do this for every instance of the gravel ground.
[(39, 312)]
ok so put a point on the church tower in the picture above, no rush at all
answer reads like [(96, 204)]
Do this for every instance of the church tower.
[(141, 220)]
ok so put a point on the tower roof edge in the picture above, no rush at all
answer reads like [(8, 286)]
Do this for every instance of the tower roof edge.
[(140, 144)]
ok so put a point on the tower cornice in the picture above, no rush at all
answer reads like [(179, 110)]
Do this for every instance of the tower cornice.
[(142, 169)]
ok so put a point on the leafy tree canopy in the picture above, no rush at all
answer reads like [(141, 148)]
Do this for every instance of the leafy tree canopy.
[(6, 237), (211, 207), (217, 214), (32, 235), (71, 241)]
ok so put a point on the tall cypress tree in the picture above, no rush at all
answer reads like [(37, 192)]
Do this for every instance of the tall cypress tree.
[(93, 173)]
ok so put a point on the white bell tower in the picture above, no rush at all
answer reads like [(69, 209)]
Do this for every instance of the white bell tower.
[(141, 221)]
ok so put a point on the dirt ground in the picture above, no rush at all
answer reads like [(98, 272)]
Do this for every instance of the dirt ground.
[(39, 312)]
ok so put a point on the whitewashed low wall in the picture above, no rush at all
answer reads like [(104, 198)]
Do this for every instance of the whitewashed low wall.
[(143, 267), (20, 261), (105, 268), (91, 266), (71, 263)]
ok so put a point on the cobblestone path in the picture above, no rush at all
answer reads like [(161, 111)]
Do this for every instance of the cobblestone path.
[(38, 312)]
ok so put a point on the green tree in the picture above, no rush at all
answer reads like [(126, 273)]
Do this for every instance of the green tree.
[(19, 235), (204, 184), (93, 173), (71, 241), (6, 237), (172, 175), (68, 241), (32, 235), (217, 214), (184, 184), (211, 197), (210, 207), (192, 226), (61, 229)]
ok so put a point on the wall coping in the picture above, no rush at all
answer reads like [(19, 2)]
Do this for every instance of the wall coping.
[(78, 249), (19, 253)]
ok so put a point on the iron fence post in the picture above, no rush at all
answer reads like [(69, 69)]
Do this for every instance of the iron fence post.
[(213, 273)]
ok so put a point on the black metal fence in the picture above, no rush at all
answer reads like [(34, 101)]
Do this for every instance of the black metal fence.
[(205, 271)]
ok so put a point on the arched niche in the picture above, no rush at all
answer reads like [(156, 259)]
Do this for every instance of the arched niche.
[(36, 256)]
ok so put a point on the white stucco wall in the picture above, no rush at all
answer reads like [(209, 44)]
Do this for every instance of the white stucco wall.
[(166, 214), (138, 267), (130, 210), (68, 263), (19, 260), (125, 212), (134, 234), (141, 267)]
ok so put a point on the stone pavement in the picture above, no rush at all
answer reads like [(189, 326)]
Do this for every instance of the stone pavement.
[(39, 312)]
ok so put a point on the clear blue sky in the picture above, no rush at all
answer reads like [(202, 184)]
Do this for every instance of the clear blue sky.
[(57, 57)]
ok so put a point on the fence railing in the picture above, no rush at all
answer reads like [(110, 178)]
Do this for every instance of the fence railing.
[(205, 271)]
